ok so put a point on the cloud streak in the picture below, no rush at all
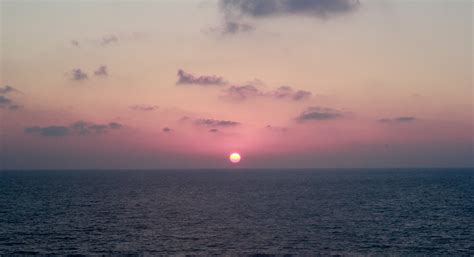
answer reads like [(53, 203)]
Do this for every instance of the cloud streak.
[(401, 119), (79, 127)]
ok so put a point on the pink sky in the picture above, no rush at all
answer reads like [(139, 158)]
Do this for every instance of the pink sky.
[(182, 84)]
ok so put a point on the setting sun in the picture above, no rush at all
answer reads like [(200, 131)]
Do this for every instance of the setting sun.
[(234, 157)]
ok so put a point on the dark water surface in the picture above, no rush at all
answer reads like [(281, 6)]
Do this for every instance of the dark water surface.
[(228, 212)]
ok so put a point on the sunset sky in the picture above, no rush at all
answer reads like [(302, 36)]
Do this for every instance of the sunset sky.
[(286, 83)]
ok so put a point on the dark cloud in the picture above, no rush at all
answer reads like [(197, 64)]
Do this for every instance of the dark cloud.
[(101, 71), (319, 113), (143, 107), (213, 130), (79, 127), (240, 93), (188, 78), (216, 123), (402, 119), (107, 40), (50, 131), (166, 129), (78, 75), (266, 8)]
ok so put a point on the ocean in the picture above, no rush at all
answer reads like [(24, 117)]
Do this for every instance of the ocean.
[(371, 212)]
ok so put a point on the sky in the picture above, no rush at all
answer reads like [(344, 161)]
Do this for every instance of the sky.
[(172, 84)]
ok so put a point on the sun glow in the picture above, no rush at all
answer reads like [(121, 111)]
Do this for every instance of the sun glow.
[(234, 157)]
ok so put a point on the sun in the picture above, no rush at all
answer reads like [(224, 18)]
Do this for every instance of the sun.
[(234, 157)]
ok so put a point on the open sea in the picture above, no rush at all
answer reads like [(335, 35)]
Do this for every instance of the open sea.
[(371, 212)]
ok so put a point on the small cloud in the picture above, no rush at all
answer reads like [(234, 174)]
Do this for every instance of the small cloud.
[(166, 129), (101, 71), (79, 127), (240, 93), (78, 75), (276, 129), (319, 114), (216, 123), (214, 130), (233, 27), (405, 119), (143, 107), (288, 92), (402, 119), (75, 43), (107, 40), (204, 80)]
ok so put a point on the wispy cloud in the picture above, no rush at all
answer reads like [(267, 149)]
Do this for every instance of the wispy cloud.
[(143, 107), (401, 119), (167, 130), (101, 71), (216, 123), (240, 93), (319, 114), (110, 39), (79, 127), (203, 80)]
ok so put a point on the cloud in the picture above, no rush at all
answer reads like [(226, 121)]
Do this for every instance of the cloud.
[(230, 27), (214, 130), (75, 43), (50, 131), (78, 75), (402, 119), (144, 107), (101, 71), (107, 40), (240, 93), (166, 129), (79, 127), (267, 8), (216, 123), (319, 114), (236, 10), (7, 89), (276, 129), (7, 103), (188, 78)]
